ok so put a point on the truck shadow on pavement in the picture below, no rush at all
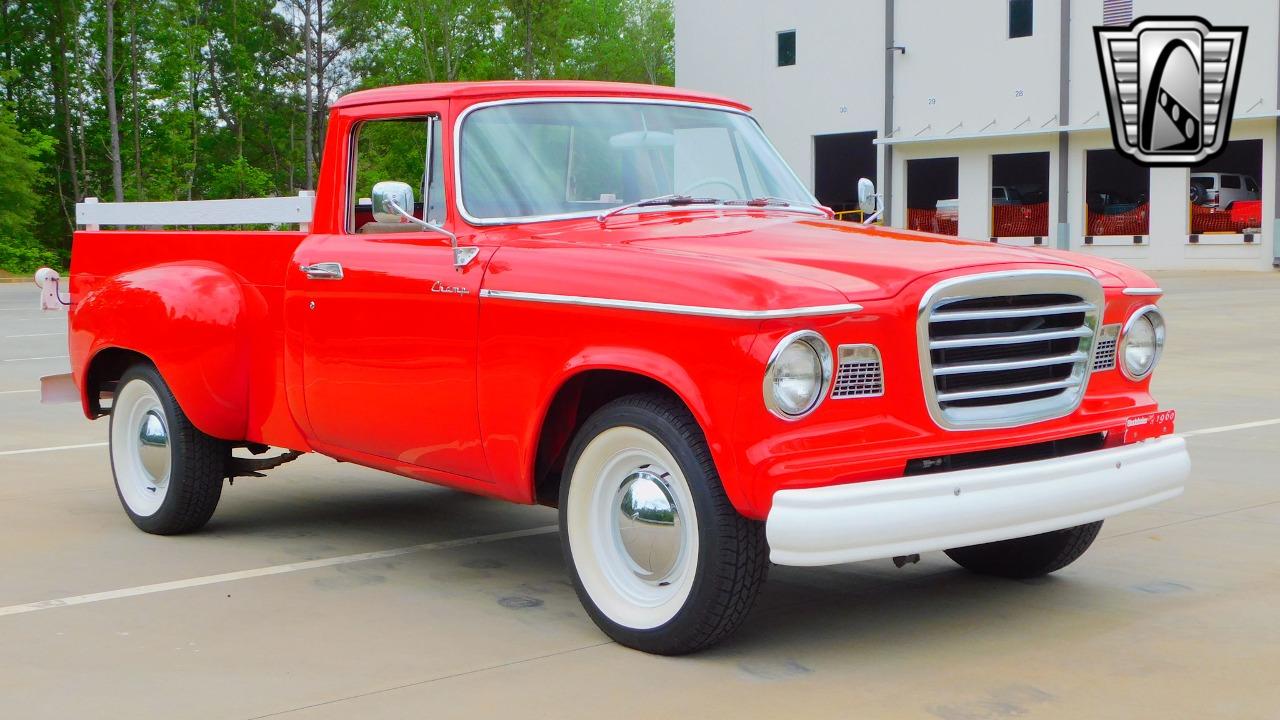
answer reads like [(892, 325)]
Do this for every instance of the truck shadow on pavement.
[(802, 613), (408, 515)]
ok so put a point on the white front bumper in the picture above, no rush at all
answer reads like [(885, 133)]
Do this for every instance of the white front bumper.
[(902, 516)]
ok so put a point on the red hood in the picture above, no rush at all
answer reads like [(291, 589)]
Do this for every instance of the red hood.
[(749, 259), (861, 262)]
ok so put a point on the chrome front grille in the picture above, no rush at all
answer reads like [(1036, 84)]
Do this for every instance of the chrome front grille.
[(1104, 351), (859, 373), (1007, 349)]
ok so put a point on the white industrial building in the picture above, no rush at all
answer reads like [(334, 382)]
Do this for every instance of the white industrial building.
[(987, 119)]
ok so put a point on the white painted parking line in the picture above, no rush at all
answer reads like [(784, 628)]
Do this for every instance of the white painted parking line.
[(44, 357), (1229, 428), (269, 570), (12, 337), (54, 448), (15, 392)]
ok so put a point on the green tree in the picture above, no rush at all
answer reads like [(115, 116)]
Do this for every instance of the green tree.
[(22, 180), (229, 98)]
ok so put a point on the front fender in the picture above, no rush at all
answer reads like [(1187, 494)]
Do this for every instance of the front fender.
[(512, 453), (654, 365), (190, 321), (676, 378)]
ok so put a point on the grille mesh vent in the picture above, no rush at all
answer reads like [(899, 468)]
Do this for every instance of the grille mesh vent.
[(860, 373), (1104, 355)]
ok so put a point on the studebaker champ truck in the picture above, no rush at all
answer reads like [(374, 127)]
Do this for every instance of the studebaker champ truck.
[(619, 301)]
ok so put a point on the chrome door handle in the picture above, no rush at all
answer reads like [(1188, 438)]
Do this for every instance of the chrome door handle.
[(323, 271)]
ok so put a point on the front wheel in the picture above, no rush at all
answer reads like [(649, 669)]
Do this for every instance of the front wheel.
[(168, 474), (1028, 557), (660, 559)]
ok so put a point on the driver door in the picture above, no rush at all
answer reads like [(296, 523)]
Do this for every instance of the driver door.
[(389, 324)]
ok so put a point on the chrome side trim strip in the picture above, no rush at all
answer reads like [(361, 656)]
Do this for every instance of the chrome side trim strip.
[(669, 308), (1143, 292)]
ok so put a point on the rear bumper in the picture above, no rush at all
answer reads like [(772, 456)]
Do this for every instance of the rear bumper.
[(902, 516)]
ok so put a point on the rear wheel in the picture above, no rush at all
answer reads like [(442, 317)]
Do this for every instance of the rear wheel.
[(168, 474), (1028, 557), (660, 559)]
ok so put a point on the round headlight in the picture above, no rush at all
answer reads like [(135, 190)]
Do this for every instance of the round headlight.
[(1141, 343), (798, 374)]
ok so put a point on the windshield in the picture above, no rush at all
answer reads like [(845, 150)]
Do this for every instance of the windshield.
[(540, 159)]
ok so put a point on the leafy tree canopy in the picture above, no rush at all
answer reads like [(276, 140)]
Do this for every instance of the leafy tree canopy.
[(229, 98)]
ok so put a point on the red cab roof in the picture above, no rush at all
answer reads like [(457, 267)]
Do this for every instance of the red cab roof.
[(527, 88)]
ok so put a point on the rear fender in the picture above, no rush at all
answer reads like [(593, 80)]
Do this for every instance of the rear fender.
[(190, 321)]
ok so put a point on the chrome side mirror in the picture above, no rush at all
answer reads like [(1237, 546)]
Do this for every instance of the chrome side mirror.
[(869, 201), (393, 202), (866, 196)]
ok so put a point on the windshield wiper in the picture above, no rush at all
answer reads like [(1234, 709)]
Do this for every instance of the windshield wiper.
[(676, 200), (770, 201), (763, 201)]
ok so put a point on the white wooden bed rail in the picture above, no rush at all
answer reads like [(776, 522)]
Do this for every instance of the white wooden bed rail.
[(92, 214)]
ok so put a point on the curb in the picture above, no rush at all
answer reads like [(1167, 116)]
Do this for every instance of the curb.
[(15, 280)]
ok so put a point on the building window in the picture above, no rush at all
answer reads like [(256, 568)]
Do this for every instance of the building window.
[(933, 195), (1115, 195), (1020, 195), (786, 48), (1019, 18), (1226, 191)]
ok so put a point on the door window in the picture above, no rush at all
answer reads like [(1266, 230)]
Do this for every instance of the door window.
[(406, 150)]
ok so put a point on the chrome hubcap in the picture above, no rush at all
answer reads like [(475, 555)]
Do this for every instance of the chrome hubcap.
[(153, 448), (648, 523)]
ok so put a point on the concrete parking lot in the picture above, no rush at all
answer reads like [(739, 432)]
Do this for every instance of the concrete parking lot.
[(330, 591)]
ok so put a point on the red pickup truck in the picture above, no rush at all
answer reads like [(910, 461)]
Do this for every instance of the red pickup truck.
[(618, 300)]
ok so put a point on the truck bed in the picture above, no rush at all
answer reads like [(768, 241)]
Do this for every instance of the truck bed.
[(257, 260)]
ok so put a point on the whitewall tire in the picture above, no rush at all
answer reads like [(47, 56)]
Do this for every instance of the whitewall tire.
[(659, 557), (168, 474)]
